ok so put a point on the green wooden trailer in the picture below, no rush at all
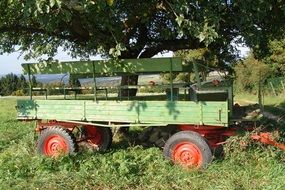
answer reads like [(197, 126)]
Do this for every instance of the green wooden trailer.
[(203, 117)]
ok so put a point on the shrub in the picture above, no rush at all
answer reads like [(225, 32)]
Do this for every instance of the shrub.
[(249, 73), (18, 93)]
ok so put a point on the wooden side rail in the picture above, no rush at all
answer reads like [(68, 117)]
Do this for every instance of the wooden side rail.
[(72, 89), (40, 90)]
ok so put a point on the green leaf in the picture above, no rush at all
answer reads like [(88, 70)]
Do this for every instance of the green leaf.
[(202, 37), (52, 3), (58, 2), (39, 7), (47, 9), (110, 2), (179, 20), (112, 51), (120, 47)]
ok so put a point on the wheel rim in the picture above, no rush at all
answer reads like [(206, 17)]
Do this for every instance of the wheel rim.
[(187, 154), (94, 135), (54, 145)]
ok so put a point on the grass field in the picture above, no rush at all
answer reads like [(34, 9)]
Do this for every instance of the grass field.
[(126, 166)]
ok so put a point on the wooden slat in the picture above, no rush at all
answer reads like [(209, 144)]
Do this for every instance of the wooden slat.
[(206, 113), (146, 65)]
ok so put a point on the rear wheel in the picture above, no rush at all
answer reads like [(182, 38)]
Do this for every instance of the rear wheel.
[(188, 149), (97, 138), (54, 141)]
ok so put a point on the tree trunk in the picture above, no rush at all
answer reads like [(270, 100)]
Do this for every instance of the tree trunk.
[(129, 80)]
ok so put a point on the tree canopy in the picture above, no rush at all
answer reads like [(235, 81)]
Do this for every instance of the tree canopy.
[(12, 84), (250, 73), (276, 56), (129, 29)]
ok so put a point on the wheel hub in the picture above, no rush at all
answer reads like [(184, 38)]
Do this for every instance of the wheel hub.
[(187, 154), (55, 145), (94, 135)]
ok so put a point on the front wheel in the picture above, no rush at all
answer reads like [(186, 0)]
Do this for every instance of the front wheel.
[(54, 141), (188, 149)]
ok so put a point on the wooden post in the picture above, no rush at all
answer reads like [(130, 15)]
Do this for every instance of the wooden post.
[(273, 89), (282, 84), (30, 83), (128, 87), (64, 92), (197, 74), (46, 93), (171, 81), (230, 98), (260, 101), (62, 81), (94, 80)]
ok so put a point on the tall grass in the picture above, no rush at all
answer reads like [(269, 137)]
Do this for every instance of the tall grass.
[(126, 166)]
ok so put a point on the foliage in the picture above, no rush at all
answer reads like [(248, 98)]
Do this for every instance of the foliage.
[(202, 55), (126, 166), (205, 59), (73, 81), (23, 84), (276, 56), (11, 83), (53, 87), (275, 82), (34, 81), (249, 73), (129, 29), (18, 93), (132, 29)]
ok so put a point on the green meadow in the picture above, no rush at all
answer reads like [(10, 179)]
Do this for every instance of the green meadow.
[(127, 166)]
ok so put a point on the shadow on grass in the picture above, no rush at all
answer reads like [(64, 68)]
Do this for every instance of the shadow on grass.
[(277, 119), (275, 110)]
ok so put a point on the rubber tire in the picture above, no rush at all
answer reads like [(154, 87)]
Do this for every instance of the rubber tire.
[(107, 140), (194, 138), (66, 135)]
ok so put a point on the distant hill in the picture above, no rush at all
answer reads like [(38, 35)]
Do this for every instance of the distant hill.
[(105, 81), (47, 78)]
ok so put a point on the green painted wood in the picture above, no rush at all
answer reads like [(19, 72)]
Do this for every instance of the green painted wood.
[(162, 112), (26, 109), (146, 65)]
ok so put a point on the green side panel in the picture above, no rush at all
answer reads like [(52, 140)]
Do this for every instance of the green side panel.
[(53, 109), (60, 109), (123, 111), (162, 112), (181, 112), (146, 65), (26, 109)]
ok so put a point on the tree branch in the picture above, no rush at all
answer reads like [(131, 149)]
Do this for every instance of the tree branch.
[(171, 45), (33, 30)]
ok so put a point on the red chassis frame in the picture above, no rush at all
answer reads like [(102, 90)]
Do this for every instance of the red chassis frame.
[(215, 135)]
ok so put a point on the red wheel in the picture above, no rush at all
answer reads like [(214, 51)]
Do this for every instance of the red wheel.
[(187, 154), (188, 149), (94, 135), (97, 138), (55, 144), (54, 141)]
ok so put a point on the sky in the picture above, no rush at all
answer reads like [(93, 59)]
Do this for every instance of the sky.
[(11, 63)]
